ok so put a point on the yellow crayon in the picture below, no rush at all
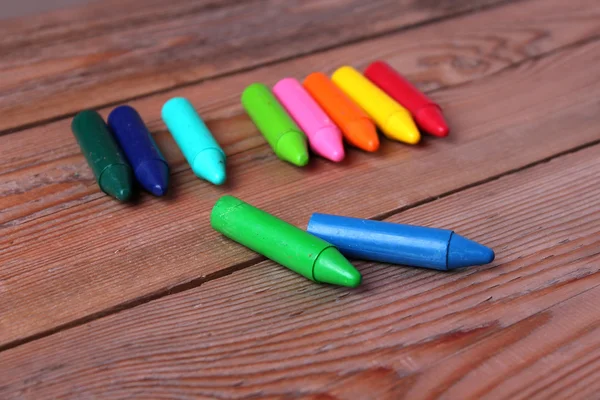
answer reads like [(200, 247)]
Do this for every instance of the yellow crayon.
[(394, 120)]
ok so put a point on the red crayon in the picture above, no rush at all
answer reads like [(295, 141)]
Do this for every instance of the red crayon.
[(427, 114)]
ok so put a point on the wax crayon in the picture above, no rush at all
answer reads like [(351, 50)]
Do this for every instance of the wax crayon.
[(110, 167), (283, 135), (149, 165), (199, 147), (356, 126), (427, 114), (394, 120), (415, 246), (324, 137), (283, 243)]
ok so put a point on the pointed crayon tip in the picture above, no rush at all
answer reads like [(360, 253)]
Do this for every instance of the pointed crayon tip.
[(463, 252), (371, 146), (333, 268), (362, 133), (210, 165), (301, 159), (292, 148), (400, 126), (116, 180), (157, 190), (432, 120), (153, 176), (123, 194), (328, 143)]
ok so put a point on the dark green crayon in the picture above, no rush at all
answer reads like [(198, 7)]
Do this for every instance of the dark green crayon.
[(112, 172)]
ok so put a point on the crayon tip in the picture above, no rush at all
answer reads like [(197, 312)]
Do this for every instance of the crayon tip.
[(431, 119), (292, 148), (157, 190), (117, 182), (328, 143), (123, 194), (400, 126), (362, 134), (463, 252), (333, 268), (153, 176), (210, 165)]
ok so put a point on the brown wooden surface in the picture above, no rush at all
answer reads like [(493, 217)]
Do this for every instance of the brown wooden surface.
[(99, 299), (109, 264), (115, 49), (405, 332)]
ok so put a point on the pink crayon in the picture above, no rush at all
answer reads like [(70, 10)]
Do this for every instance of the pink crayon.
[(323, 135)]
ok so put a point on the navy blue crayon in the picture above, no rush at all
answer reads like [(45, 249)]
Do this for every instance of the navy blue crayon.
[(149, 165), (415, 246)]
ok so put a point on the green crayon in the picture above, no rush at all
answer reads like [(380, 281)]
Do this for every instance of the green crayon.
[(112, 172), (284, 136), (283, 243)]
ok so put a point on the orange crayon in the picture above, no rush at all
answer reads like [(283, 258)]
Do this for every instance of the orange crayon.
[(358, 129)]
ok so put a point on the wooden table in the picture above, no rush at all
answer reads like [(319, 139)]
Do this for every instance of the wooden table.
[(105, 300)]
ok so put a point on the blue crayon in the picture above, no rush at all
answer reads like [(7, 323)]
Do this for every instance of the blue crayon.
[(200, 149), (150, 167), (415, 246)]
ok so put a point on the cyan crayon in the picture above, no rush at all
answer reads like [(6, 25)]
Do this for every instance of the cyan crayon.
[(415, 246), (149, 166), (199, 147)]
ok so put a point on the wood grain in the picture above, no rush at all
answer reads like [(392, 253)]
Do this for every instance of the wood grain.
[(59, 63), (264, 332), (97, 254), (39, 181)]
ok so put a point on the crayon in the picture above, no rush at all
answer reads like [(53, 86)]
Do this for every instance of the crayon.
[(199, 147), (427, 114), (394, 120), (283, 243), (112, 172), (149, 165), (279, 129), (415, 246), (324, 137), (356, 126)]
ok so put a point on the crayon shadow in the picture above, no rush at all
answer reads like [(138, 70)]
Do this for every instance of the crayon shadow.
[(385, 143), (317, 163), (176, 180), (172, 192), (136, 197), (232, 173)]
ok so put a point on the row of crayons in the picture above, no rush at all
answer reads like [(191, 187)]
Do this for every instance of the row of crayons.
[(349, 106), (319, 252), (320, 111), (125, 148)]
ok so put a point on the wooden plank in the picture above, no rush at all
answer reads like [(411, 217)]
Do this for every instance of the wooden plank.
[(525, 362), (40, 180), (102, 252), (85, 57), (410, 333)]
